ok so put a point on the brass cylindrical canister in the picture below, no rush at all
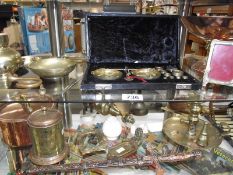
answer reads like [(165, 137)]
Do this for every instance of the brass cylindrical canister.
[(47, 133)]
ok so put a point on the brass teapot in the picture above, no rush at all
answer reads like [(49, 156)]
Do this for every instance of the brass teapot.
[(10, 59)]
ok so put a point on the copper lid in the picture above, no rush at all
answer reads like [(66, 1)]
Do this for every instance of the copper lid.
[(13, 112), (44, 118)]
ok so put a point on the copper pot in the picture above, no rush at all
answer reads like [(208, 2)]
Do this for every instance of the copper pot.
[(13, 118), (13, 122)]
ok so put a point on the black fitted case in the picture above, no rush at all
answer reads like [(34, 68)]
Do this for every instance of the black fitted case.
[(133, 41)]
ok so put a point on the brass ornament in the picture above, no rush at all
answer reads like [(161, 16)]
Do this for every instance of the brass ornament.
[(91, 142)]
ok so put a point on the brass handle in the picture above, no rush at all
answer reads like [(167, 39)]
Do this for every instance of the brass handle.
[(26, 106)]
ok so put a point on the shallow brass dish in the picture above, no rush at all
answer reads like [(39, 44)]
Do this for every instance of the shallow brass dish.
[(107, 74), (51, 67), (146, 73)]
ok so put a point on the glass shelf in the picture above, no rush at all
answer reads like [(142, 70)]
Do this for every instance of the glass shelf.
[(79, 96)]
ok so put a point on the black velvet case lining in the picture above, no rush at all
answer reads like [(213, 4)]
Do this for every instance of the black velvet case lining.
[(133, 39)]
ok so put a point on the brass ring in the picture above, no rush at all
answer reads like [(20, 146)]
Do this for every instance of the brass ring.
[(27, 83)]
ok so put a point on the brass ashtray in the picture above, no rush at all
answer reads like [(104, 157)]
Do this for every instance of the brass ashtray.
[(107, 74), (147, 73)]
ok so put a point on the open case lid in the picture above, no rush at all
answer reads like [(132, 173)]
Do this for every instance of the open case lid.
[(121, 38), (219, 66)]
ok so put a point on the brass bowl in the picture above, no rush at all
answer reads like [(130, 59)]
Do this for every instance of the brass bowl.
[(146, 73), (107, 74), (51, 67)]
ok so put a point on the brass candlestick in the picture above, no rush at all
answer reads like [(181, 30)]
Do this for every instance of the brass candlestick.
[(195, 112), (190, 131)]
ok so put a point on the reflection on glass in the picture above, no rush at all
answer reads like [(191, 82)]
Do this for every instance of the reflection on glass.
[(209, 28)]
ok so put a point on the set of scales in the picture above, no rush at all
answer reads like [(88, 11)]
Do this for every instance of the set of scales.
[(191, 130)]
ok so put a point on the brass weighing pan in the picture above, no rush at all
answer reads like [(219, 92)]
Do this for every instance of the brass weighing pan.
[(107, 74), (51, 67), (146, 73)]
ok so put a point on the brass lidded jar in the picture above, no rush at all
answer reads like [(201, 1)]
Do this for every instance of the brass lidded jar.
[(47, 134), (10, 59)]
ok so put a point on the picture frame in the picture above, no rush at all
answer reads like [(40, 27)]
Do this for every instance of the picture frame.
[(219, 65)]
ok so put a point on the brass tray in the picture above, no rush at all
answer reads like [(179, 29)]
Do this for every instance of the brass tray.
[(177, 131)]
